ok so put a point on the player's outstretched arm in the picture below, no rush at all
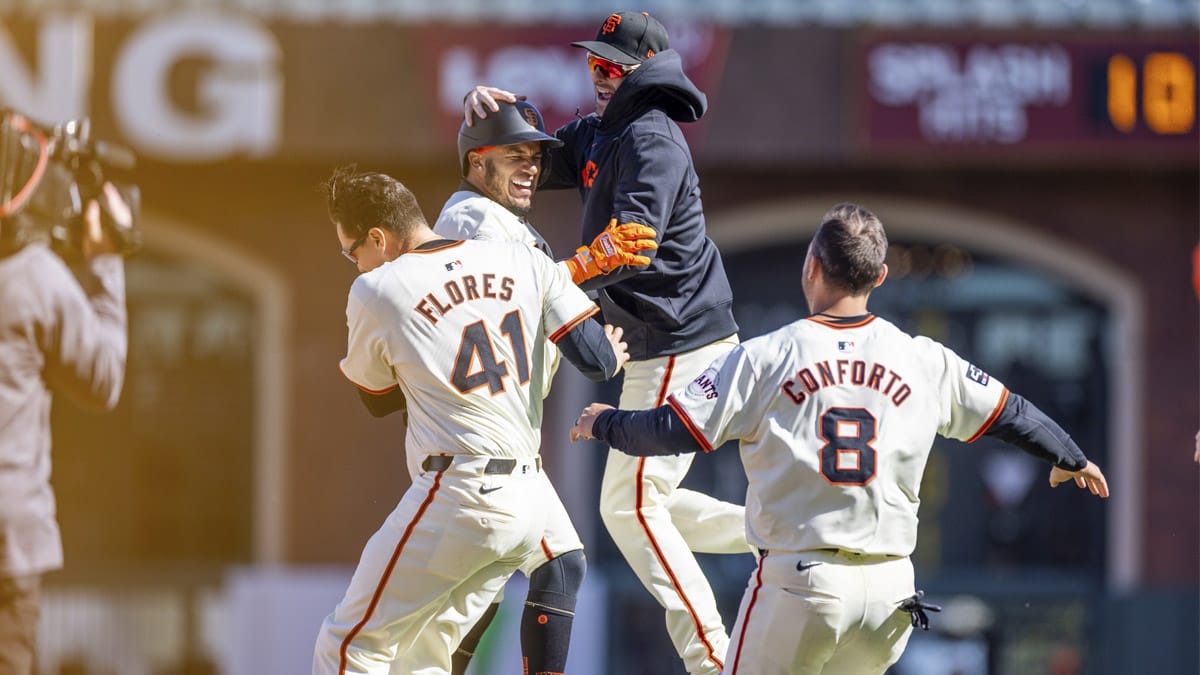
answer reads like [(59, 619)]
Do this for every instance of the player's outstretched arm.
[(583, 426), (482, 99), (1089, 477), (641, 433)]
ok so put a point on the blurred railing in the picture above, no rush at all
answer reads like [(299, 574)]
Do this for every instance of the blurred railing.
[(988, 13)]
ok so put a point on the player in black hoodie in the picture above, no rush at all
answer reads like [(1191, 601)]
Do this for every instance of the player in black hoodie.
[(630, 161)]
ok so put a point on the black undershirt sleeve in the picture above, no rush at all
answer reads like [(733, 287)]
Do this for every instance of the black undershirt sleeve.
[(587, 348), (1022, 424), (645, 432), (381, 405)]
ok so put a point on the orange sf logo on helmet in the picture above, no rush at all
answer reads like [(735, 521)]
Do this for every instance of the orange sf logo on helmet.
[(611, 24), (530, 117)]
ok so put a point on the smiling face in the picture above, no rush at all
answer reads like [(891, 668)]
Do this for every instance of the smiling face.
[(605, 80), (507, 174)]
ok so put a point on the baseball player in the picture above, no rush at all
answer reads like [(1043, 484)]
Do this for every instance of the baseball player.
[(454, 332), (501, 159), (836, 415), (630, 162)]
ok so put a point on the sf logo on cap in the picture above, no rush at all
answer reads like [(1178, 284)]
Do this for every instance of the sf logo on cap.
[(611, 24), (530, 117)]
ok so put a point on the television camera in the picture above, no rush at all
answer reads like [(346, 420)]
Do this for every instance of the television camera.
[(48, 174)]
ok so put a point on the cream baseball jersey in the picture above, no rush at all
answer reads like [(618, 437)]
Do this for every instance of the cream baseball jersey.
[(462, 328), (836, 420), (470, 215)]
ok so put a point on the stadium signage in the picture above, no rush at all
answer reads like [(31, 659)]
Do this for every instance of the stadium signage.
[(979, 96), (1067, 96), (231, 104)]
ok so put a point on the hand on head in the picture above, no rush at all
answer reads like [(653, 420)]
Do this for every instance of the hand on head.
[(482, 99)]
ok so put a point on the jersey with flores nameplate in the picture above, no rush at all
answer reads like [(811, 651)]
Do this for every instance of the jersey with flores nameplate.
[(468, 214), (462, 328)]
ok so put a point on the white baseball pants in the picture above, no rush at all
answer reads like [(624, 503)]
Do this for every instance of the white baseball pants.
[(656, 525), (822, 613), (446, 550)]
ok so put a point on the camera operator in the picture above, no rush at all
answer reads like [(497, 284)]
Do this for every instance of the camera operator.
[(58, 334)]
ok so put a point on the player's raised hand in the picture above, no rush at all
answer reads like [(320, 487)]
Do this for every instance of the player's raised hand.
[(614, 334), (1089, 477), (583, 425), (617, 245), (482, 99)]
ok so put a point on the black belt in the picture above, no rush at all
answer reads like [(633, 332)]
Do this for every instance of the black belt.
[(855, 554), (494, 466), (843, 552)]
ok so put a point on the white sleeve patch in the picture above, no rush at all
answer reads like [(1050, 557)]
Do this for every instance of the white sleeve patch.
[(705, 385)]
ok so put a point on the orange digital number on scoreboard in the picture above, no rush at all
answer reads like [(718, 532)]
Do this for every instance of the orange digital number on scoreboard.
[(1167, 81)]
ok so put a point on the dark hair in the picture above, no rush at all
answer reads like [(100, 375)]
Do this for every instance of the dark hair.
[(359, 201), (851, 247)]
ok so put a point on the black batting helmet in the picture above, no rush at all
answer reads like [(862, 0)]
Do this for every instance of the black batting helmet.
[(514, 123)]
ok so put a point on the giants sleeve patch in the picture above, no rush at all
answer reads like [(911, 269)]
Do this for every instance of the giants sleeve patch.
[(704, 386), (976, 374)]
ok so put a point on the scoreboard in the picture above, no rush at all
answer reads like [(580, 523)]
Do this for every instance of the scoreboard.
[(1124, 95)]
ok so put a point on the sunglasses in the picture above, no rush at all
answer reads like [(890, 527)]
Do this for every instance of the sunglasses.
[(608, 68), (349, 252)]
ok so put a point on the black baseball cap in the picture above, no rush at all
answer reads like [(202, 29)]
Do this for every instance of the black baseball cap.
[(627, 38)]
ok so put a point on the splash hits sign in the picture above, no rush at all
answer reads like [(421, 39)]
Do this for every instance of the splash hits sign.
[(977, 94)]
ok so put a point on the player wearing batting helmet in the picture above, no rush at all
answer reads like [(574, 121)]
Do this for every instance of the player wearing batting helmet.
[(836, 415), (630, 161), (503, 159), (456, 332)]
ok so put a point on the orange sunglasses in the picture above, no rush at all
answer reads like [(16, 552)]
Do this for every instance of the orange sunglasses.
[(608, 68)]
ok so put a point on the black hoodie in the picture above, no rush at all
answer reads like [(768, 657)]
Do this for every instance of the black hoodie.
[(634, 165)]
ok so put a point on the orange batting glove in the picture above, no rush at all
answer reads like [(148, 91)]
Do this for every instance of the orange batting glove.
[(617, 245)]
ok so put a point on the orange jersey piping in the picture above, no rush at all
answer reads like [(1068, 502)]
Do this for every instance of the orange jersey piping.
[(689, 424), (746, 619), (566, 327), (658, 553), (374, 392), (434, 249), (841, 326), (387, 573), (991, 418)]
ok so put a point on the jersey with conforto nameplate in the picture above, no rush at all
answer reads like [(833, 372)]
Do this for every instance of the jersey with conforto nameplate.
[(836, 422), (461, 327)]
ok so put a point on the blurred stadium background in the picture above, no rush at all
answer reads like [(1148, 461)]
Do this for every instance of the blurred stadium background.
[(1035, 162)]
